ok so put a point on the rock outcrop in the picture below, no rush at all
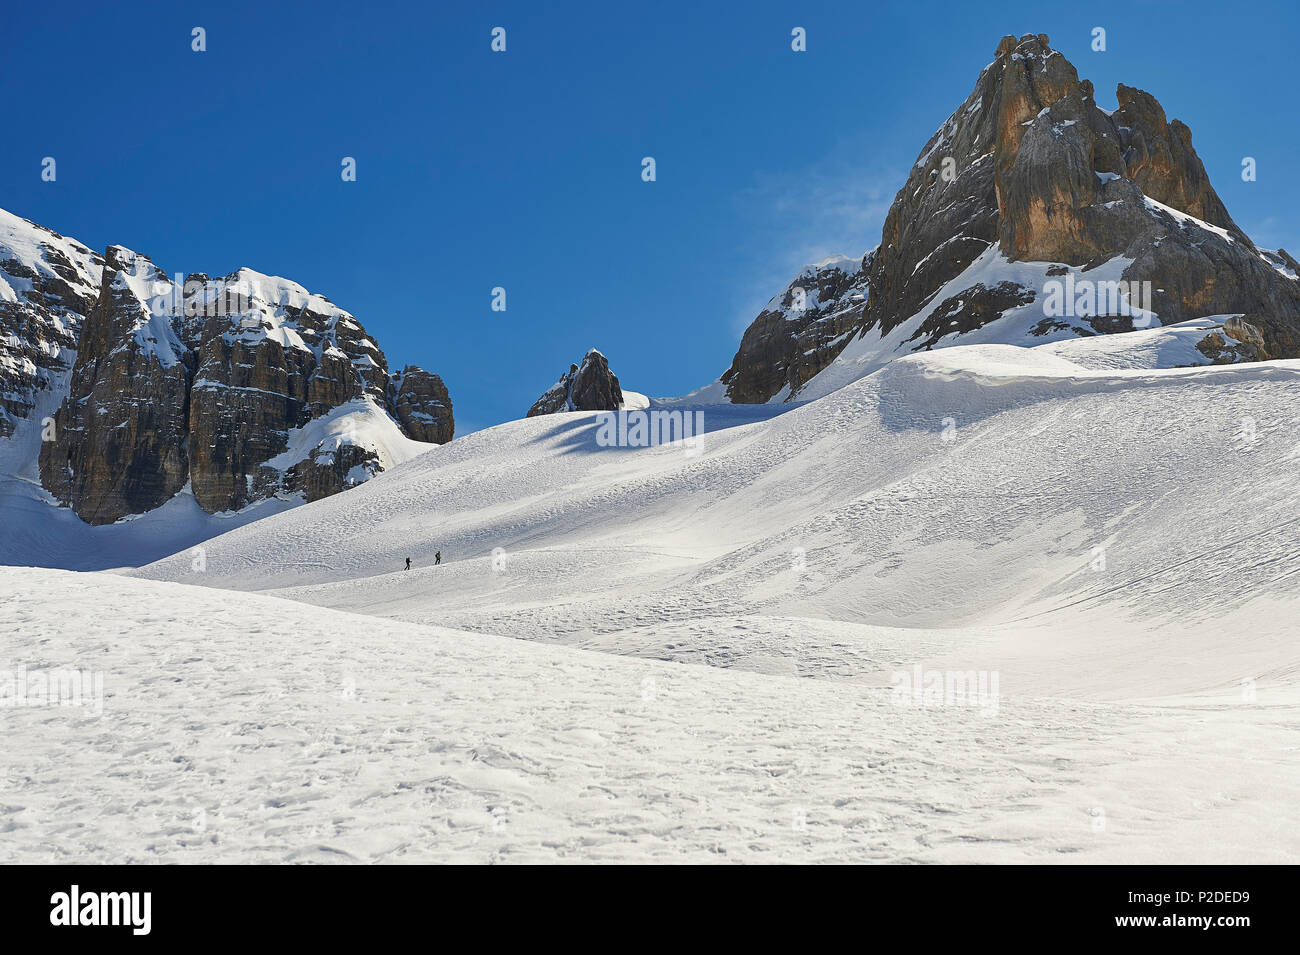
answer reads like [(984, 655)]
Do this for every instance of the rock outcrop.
[(121, 435), (239, 388), (800, 331), (421, 405), (1030, 169), (590, 386), (283, 359)]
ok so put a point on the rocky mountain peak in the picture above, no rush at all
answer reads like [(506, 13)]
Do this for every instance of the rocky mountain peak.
[(589, 386), (1029, 169), (238, 388), (801, 329)]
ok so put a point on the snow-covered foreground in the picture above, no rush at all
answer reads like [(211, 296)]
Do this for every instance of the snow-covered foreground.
[(262, 730), (1103, 552)]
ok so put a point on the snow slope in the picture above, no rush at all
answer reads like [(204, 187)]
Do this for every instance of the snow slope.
[(261, 730), (1020, 325), (1115, 545), (968, 498)]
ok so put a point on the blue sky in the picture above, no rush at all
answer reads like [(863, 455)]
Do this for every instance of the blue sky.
[(523, 169)]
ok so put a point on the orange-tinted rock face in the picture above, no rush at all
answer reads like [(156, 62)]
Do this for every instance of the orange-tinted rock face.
[(1031, 167), (1057, 152)]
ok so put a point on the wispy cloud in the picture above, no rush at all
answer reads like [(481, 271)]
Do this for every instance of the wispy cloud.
[(823, 211), (1274, 233), (835, 206)]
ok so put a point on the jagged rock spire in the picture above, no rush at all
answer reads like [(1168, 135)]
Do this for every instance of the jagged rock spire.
[(590, 386), (1030, 169)]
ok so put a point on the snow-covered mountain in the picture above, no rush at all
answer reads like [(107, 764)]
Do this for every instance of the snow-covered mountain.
[(124, 390), (1070, 519), (1032, 215), (47, 285), (974, 555)]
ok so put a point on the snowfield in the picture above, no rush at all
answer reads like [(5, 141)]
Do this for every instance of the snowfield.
[(261, 730), (724, 650)]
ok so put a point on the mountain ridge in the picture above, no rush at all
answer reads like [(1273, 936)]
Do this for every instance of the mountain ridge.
[(1030, 167), (197, 385)]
